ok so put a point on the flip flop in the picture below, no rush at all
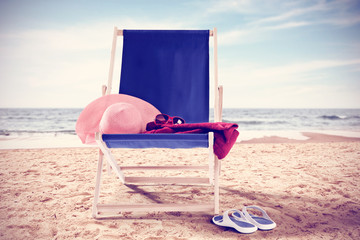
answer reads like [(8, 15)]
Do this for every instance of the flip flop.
[(241, 224), (263, 223)]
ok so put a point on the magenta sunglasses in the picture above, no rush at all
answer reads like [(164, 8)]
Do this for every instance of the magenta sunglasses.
[(164, 118)]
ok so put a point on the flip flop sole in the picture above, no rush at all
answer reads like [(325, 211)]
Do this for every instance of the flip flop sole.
[(261, 222), (240, 226)]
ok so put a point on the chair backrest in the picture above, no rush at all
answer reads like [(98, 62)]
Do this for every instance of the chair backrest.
[(169, 69)]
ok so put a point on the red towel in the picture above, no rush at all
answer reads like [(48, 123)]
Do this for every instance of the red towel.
[(225, 134)]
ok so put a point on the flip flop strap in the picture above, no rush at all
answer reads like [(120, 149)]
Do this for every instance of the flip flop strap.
[(226, 217), (264, 214)]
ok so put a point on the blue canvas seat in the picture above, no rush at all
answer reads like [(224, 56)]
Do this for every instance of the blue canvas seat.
[(164, 140), (170, 70)]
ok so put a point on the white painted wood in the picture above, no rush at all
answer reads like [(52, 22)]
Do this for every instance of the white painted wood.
[(211, 158), (218, 118), (216, 82), (120, 32), (112, 60), (216, 186), (167, 180), (144, 168), (220, 102), (103, 90), (117, 208), (97, 183), (109, 157)]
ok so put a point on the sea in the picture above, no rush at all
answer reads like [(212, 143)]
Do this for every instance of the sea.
[(30, 127)]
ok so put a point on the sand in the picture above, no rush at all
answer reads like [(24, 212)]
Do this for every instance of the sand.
[(311, 189)]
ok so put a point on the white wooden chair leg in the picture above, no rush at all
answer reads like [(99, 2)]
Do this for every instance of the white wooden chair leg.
[(110, 159), (211, 158), (97, 183), (216, 186), (108, 168)]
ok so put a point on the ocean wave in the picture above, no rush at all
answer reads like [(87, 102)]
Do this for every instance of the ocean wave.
[(333, 117), (56, 122), (4, 133), (257, 122), (30, 132)]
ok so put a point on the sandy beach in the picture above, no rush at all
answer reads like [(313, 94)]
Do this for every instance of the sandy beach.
[(310, 188)]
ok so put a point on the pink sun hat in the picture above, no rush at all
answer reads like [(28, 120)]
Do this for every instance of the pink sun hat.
[(114, 114)]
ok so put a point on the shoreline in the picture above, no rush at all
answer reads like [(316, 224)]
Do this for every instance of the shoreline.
[(39, 141), (306, 137)]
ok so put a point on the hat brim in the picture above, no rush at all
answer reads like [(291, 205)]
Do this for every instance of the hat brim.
[(88, 122)]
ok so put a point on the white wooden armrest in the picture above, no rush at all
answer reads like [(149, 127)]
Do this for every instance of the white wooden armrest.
[(103, 90)]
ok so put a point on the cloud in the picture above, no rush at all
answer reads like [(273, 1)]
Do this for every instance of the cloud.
[(343, 13), (250, 34), (343, 21), (261, 18), (247, 75), (297, 68), (288, 25), (293, 95), (237, 36), (63, 66), (239, 6), (67, 64)]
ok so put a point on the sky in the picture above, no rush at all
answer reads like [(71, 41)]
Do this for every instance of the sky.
[(272, 54)]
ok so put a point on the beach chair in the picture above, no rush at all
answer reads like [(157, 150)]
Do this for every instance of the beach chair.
[(177, 86)]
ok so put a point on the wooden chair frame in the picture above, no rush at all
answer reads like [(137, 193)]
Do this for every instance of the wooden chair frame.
[(213, 167)]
